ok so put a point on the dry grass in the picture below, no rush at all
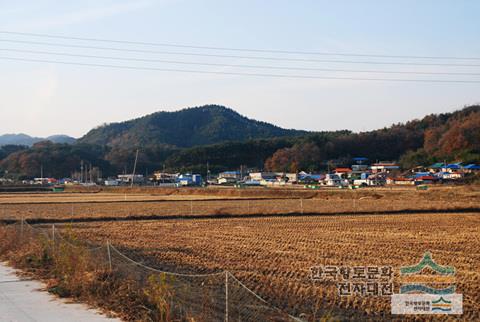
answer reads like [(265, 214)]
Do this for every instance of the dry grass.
[(75, 271)]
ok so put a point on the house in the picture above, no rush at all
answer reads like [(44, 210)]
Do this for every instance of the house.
[(334, 180), (471, 168), (230, 175), (291, 177), (436, 167), (358, 168), (274, 176), (384, 166), (45, 181), (401, 181), (259, 176), (128, 178), (343, 172), (111, 182), (426, 179), (163, 177), (449, 175), (227, 180), (190, 179), (252, 183), (304, 177), (452, 167)]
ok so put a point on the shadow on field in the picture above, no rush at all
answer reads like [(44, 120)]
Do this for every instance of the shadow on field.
[(226, 215)]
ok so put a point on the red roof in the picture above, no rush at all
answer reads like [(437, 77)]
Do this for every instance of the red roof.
[(343, 170), (427, 178)]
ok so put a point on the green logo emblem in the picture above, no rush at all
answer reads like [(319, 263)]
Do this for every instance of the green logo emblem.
[(427, 261)]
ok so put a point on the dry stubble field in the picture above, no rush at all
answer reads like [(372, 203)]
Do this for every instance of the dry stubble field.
[(210, 202), (273, 255)]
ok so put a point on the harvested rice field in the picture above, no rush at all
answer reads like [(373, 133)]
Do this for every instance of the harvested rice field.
[(274, 256), (289, 246)]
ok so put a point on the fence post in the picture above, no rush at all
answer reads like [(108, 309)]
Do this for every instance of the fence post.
[(53, 236), (191, 207), (301, 205), (226, 296), (21, 229), (109, 255), (248, 206)]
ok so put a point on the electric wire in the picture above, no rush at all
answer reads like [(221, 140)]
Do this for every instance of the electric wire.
[(238, 56), (239, 74), (234, 49), (236, 65)]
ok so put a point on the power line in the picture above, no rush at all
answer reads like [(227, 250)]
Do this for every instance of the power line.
[(237, 56), (235, 65), (235, 49), (242, 74)]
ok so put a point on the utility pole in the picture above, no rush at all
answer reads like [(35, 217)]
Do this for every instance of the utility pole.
[(226, 296), (208, 172), (134, 168), (81, 171)]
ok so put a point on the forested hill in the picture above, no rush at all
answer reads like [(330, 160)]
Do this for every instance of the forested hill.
[(449, 136), (185, 128)]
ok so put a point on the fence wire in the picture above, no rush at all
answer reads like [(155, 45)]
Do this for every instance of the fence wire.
[(217, 296)]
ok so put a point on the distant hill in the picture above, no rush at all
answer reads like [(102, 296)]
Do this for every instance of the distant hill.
[(18, 139), (24, 139), (189, 127), (61, 138)]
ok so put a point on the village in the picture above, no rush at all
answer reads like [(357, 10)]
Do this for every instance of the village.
[(359, 174)]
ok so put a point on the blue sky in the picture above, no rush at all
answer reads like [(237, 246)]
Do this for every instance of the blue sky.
[(43, 99)]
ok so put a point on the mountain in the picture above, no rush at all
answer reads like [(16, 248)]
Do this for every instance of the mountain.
[(189, 127), (61, 138), (24, 139), (18, 139)]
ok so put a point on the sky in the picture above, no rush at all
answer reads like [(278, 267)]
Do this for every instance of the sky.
[(42, 98)]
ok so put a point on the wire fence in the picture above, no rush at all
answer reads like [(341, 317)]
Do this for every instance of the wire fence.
[(217, 296)]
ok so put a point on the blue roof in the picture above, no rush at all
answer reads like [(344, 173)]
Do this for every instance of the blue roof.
[(472, 167), (360, 159), (437, 165), (421, 174), (312, 176), (454, 166)]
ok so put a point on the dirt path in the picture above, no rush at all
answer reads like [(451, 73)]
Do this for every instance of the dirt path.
[(22, 300)]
